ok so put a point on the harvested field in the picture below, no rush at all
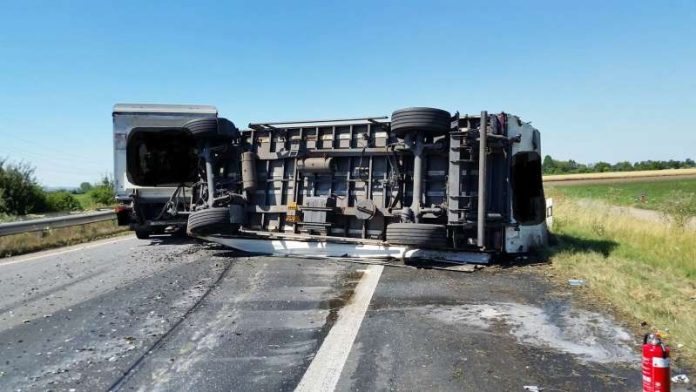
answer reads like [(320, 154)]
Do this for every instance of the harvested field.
[(587, 178)]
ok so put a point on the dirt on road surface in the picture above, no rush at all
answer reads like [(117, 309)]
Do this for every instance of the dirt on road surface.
[(165, 315)]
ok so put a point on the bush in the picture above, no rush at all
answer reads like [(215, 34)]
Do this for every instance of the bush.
[(680, 206), (20, 192), (62, 201), (3, 208), (3, 216), (103, 193)]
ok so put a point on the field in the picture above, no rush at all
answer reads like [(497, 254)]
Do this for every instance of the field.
[(644, 193), (644, 269), (621, 176)]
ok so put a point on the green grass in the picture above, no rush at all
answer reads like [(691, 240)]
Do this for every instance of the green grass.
[(88, 203), (649, 194), (85, 201), (646, 270)]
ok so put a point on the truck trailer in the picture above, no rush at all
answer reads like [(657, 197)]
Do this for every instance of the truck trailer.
[(423, 183)]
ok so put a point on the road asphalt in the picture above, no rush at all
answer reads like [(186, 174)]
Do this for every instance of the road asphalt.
[(167, 314)]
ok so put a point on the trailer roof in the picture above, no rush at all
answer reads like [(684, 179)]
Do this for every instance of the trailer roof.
[(123, 108)]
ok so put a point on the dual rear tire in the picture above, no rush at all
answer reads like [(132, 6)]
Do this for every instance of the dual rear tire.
[(211, 221), (429, 121), (417, 235), (212, 129)]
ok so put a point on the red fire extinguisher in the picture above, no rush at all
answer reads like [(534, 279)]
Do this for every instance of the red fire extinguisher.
[(656, 376)]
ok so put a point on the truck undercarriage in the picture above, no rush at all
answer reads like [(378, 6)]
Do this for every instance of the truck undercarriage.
[(425, 183)]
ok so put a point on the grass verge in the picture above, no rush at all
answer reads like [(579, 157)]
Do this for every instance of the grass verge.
[(17, 244), (646, 270)]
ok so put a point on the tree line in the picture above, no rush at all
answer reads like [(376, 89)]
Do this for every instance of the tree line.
[(554, 166), (21, 194)]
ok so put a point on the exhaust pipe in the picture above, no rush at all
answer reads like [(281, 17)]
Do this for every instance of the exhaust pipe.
[(481, 218), (209, 174)]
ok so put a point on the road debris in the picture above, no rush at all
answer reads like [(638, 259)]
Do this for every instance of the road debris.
[(680, 379), (576, 282), (533, 388), (463, 268)]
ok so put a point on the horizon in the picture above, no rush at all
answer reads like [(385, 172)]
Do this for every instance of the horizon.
[(70, 188), (602, 82)]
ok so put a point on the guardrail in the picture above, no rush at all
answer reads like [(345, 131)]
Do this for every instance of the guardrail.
[(54, 223)]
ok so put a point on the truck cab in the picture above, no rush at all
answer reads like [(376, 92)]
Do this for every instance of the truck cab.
[(154, 165)]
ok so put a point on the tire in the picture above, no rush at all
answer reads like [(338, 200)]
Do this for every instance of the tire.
[(211, 221), (419, 235), (212, 128), (430, 121), (142, 234)]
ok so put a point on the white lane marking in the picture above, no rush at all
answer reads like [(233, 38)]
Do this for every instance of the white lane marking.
[(326, 367), (60, 252)]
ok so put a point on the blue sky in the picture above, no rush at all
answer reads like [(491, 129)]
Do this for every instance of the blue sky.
[(605, 80)]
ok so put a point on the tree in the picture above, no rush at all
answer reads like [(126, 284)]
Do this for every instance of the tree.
[(552, 166), (549, 166), (85, 187), (20, 192), (602, 167), (623, 166)]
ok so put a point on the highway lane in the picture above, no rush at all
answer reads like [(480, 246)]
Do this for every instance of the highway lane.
[(83, 319), (168, 315)]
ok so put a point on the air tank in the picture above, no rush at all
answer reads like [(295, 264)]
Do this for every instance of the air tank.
[(315, 165), (249, 171)]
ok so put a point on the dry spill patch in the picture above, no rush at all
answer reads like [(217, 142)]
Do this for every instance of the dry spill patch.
[(589, 336)]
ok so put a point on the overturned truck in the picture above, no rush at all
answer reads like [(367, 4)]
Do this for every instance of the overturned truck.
[(424, 183)]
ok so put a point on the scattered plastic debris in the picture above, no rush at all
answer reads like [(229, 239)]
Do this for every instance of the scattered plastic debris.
[(663, 333), (576, 282), (680, 379), (533, 388)]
